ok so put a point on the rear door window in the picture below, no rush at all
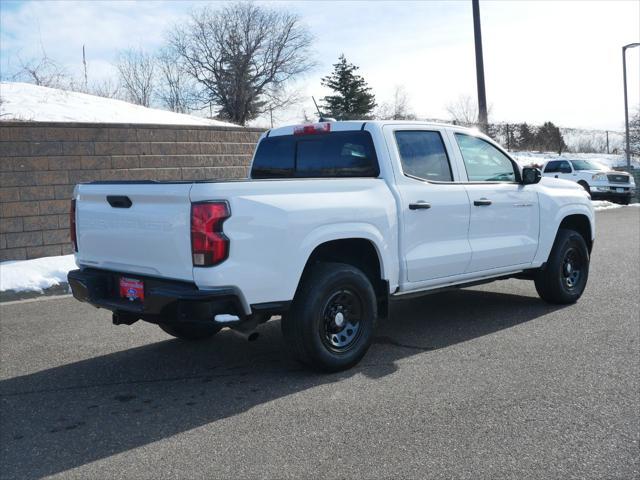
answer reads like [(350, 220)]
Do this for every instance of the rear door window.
[(336, 154), (423, 155)]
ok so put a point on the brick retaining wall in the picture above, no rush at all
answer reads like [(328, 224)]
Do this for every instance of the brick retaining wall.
[(41, 162)]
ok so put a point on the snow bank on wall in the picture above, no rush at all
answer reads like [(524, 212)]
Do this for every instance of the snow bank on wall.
[(27, 102)]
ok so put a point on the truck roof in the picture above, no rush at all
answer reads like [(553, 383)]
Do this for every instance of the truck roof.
[(347, 125)]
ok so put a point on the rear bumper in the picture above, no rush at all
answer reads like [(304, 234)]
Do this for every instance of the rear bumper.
[(164, 300)]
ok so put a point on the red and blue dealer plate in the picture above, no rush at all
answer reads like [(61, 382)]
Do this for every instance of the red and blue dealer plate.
[(131, 289)]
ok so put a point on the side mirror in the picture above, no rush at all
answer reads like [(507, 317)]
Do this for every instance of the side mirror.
[(530, 175)]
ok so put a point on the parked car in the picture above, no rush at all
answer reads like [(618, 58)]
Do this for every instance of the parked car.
[(336, 221), (600, 181)]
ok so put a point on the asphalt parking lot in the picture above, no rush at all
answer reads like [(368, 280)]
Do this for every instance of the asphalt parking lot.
[(488, 382)]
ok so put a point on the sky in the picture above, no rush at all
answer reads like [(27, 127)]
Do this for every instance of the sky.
[(556, 61)]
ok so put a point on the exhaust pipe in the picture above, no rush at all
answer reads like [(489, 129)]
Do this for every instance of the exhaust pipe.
[(245, 328)]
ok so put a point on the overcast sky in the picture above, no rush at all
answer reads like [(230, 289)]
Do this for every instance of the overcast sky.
[(544, 60)]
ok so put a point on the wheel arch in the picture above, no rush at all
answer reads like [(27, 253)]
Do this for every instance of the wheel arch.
[(359, 252), (581, 224)]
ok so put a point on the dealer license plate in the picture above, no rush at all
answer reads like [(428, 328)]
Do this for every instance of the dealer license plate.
[(131, 289)]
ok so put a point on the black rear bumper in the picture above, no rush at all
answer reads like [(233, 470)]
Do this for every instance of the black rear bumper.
[(164, 300)]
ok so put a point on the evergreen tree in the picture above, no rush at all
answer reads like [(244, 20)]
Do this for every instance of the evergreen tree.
[(353, 98), (526, 137), (550, 139)]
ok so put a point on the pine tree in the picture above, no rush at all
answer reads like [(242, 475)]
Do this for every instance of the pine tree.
[(526, 137), (550, 139), (353, 98)]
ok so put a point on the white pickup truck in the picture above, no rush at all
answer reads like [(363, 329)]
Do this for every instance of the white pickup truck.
[(337, 220), (600, 181)]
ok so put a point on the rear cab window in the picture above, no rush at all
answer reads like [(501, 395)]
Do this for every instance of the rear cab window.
[(335, 154)]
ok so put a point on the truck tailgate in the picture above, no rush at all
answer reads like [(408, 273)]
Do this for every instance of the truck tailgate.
[(151, 236)]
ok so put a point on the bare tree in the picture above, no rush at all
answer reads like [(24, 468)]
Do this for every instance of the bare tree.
[(43, 71), (136, 69), (175, 87), (243, 57), (398, 108), (463, 111), (107, 88)]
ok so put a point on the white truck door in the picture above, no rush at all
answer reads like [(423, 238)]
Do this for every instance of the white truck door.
[(504, 222), (434, 209)]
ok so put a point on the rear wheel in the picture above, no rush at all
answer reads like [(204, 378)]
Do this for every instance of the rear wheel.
[(331, 321), (564, 277), (189, 331)]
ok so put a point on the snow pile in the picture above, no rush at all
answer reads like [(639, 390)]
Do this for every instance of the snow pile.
[(35, 275), (31, 103), (606, 205)]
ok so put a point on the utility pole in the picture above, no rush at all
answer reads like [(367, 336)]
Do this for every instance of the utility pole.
[(84, 63), (482, 96), (626, 104)]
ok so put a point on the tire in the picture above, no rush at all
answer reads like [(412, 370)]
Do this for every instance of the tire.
[(189, 331), (318, 328), (585, 185), (564, 278), (625, 201)]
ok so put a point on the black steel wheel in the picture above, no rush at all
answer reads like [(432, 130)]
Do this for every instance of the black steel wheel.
[(332, 318), (564, 277), (340, 329)]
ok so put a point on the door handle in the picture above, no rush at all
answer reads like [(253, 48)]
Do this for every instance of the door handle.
[(555, 176), (419, 206), (119, 201), (483, 202)]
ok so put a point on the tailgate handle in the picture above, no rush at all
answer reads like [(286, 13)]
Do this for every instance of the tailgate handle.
[(119, 201)]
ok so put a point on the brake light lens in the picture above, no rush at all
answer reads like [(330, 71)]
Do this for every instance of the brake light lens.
[(72, 225), (312, 128), (209, 245)]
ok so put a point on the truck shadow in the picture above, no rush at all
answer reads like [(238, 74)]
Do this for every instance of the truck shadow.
[(71, 415)]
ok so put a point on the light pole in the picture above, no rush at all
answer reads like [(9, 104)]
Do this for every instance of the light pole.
[(482, 96), (626, 105)]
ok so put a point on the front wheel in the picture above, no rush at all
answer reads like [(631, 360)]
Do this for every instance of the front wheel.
[(332, 318), (564, 277), (585, 185), (189, 331)]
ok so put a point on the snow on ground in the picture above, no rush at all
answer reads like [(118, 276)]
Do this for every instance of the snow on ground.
[(606, 205), (611, 160), (27, 102), (35, 275)]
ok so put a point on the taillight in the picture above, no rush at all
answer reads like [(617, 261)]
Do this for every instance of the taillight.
[(312, 128), (72, 225), (209, 246)]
